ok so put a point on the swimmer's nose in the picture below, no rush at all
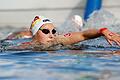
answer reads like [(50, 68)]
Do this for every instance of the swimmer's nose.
[(51, 36)]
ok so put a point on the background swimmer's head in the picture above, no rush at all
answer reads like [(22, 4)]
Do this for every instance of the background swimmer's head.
[(37, 23)]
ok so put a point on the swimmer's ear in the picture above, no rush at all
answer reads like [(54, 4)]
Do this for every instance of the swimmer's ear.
[(31, 27), (30, 30)]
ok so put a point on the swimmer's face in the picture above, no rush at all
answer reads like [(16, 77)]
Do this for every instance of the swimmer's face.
[(46, 33)]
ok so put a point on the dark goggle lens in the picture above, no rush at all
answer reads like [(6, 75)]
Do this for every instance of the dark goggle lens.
[(53, 31), (46, 31)]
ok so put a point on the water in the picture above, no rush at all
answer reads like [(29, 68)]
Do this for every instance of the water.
[(93, 61), (59, 65)]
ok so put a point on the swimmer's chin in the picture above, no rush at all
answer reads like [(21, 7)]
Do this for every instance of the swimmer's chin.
[(47, 43)]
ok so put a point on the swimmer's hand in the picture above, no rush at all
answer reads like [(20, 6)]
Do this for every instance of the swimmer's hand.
[(111, 37)]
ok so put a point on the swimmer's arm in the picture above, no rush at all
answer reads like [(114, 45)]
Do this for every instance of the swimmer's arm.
[(110, 36), (91, 34), (20, 34), (75, 37)]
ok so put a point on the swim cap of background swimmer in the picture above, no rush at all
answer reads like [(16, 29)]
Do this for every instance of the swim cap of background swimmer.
[(38, 22)]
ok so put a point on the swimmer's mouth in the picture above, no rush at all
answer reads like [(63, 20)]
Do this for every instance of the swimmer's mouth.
[(50, 41)]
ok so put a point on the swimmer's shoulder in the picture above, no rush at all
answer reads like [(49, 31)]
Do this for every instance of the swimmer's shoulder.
[(19, 35), (61, 39)]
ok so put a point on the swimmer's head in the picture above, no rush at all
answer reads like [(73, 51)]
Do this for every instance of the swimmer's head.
[(38, 22)]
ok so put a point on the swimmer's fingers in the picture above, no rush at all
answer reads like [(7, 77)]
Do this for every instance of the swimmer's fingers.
[(109, 41), (114, 37), (117, 42)]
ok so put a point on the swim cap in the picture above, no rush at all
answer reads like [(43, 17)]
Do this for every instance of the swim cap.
[(78, 20), (38, 22)]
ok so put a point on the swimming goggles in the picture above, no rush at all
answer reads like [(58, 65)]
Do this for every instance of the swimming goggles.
[(47, 31)]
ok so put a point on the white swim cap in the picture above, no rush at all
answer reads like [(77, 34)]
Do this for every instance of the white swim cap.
[(38, 22), (78, 20)]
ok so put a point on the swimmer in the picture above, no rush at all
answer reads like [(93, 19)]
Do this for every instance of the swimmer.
[(44, 33), (76, 20)]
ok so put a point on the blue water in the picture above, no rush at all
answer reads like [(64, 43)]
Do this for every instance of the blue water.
[(59, 65)]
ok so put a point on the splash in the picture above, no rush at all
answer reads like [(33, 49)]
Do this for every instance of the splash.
[(72, 24), (103, 18), (98, 20)]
